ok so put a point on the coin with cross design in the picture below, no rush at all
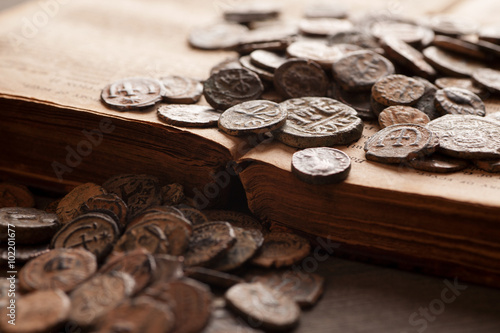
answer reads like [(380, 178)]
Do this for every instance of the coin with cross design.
[(132, 93), (397, 90)]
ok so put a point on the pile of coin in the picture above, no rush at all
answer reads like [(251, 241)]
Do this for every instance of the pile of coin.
[(135, 256)]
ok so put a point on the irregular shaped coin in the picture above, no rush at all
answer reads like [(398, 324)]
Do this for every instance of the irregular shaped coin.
[(181, 89), (400, 114), (188, 115), (132, 93), (69, 206), (300, 78), (281, 249), (459, 101), (321, 165), (397, 90)]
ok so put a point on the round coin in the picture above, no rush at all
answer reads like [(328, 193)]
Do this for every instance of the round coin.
[(216, 36), (488, 78), (406, 32), (108, 203), (172, 194), (181, 89), (15, 195), (30, 225), (400, 114), (300, 78), (229, 63), (263, 74), (397, 90), (147, 237), (319, 52), (281, 249), (355, 37), (459, 46), (267, 60), (450, 63), (69, 206), (464, 83), (438, 163), (188, 115), (459, 101), (132, 93), (321, 165)]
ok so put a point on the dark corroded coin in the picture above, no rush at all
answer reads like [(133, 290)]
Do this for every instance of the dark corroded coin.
[(188, 115), (148, 237), (236, 219), (426, 102), (438, 163), (318, 122), (359, 102), (213, 277), (217, 36), (132, 93), (450, 63), (58, 269), (181, 89), (258, 116), (397, 90), (139, 192), (319, 52), (321, 165), (94, 232), (98, 295), (69, 206), (251, 11), (258, 303), (376, 107), (30, 225), (406, 32), (465, 136), (281, 249), (459, 46), (108, 203), (398, 143), (488, 165), (303, 288), (358, 71), (229, 63), (15, 195), (459, 101), (322, 27), (264, 74), (172, 194), (209, 242), (229, 87), (40, 311), (400, 114), (488, 78), (267, 60), (300, 78), (464, 83)]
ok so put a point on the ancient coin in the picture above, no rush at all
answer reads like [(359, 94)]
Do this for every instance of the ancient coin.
[(40, 311), (397, 90), (358, 71), (257, 116), (488, 78), (325, 9), (94, 232), (459, 46), (188, 115), (264, 74), (319, 52), (195, 216), (400, 114), (212, 277), (23, 254), (267, 60), (438, 163), (181, 89), (58, 269), (452, 25), (426, 102), (209, 242), (258, 303), (216, 36), (15, 195), (132, 93), (376, 107), (357, 101), (464, 83), (139, 192), (229, 87), (355, 37), (398, 143), (281, 249), (322, 27), (303, 288), (223, 321), (31, 225), (236, 219), (300, 78), (466, 136), (459, 101), (406, 32), (108, 203), (229, 63), (450, 63), (488, 165), (272, 38), (99, 295), (251, 11), (69, 206), (172, 194), (318, 122), (168, 267), (321, 165), (147, 237)]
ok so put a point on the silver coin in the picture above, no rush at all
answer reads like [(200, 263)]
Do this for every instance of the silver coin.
[(321, 165), (188, 115), (132, 93)]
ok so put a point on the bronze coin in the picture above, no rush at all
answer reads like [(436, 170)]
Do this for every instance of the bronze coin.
[(264, 74), (322, 27), (452, 25), (281, 249), (398, 143), (30, 225), (58, 269), (459, 101), (257, 116), (400, 114), (488, 78), (318, 122), (97, 296), (146, 237), (168, 268), (426, 102), (229, 87), (492, 166), (355, 37), (300, 78), (156, 212), (139, 192), (397, 90), (464, 83), (406, 32), (195, 216), (319, 52), (69, 206), (23, 254), (357, 101), (438, 163), (37, 312), (358, 71), (172, 194), (217, 36), (450, 63), (188, 115), (459, 46), (259, 303), (213, 277), (323, 9), (15, 195), (229, 63), (467, 136), (181, 89), (236, 219), (132, 93), (108, 203), (321, 165), (251, 11), (267, 60), (94, 232)]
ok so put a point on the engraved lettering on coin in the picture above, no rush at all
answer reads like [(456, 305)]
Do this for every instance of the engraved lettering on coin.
[(189, 115), (397, 90), (400, 114), (149, 238), (300, 78), (132, 93), (108, 203), (459, 101), (321, 165)]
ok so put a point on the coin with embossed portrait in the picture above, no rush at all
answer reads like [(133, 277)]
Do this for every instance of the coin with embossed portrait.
[(132, 93), (321, 165)]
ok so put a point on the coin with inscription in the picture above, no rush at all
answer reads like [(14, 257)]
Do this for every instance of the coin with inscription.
[(28, 225), (450, 63), (132, 93), (281, 249), (399, 143), (459, 101), (397, 90), (216, 36), (318, 122), (58, 269), (147, 237), (257, 116), (236, 219), (69, 206), (212, 277), (464, 83), (488, 78), (492, 166), (300, 78), (400, 114), (438, 163), (324, 55), (181, 89), (267, 60), (108, 203), (15, 195), (321, 165), (322, 27), (467, 136), (188, 115)]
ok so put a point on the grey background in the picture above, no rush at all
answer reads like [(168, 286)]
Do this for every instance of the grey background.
[(8, 3)]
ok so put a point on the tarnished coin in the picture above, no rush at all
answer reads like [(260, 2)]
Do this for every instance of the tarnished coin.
[(460, 46), (267, 60), (132, 93), (94, 232), (15, 195), (438, 163), (488, 78), (355, 37), (318, 122), (195, 216), (399, 143), (139, 192), (181, 89), (459, 101), (40, 311), (108, 203), (400, 114), (58, 269), (168, 268), (281, 249), (488, 165), (358, 71), (30, 225), (229, 87), (466, 136), (148, 237), (322, 27), (359, 102), (188, 115), (300, 78), (406, 32), (257, 116), (217, 36), (450, 63), (321, 165), (264, 74), (257, 303), (426, 102), (229, 63), (209, 242), (464, 83), (172, 194), (251, 11), (319, 52), (452, 25), (69, 206), (236, 219), (325, 9), (23, 254), (397, 90), (212, 277), (97, 296)]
